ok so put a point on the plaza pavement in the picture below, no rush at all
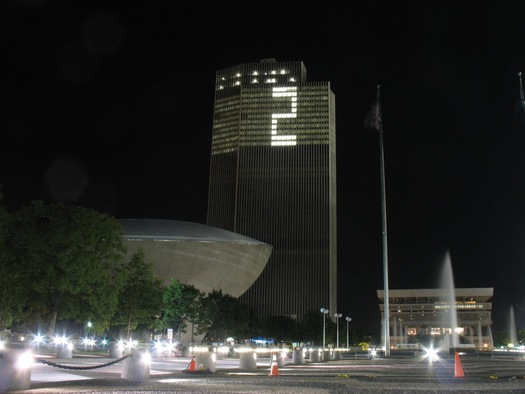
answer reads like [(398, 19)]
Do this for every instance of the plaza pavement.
[(391, 375)]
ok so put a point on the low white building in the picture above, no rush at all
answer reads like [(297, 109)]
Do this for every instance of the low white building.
[(426, 317)]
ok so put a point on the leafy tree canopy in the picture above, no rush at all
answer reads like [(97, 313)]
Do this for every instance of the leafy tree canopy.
[(140, 300), (63, 262), (225, 316), (182, 303)]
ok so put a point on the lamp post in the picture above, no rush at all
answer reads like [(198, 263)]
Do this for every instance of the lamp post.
[(324, 311), (337, 316), (348, 320)]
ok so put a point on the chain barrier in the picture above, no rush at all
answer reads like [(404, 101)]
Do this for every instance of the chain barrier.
[(63, 366)]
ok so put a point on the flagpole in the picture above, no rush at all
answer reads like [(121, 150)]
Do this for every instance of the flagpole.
[(373, 121), (386, 313)]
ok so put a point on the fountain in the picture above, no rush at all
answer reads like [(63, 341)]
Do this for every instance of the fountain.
[(512, 328), (449, 299)]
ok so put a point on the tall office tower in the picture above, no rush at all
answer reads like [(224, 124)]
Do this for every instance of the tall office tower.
[(273, 178)]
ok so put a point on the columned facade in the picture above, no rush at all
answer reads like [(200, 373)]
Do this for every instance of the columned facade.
[(426, 317)]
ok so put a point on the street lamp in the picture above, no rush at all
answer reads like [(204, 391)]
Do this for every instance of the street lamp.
[(324, 311), (348, 320), (337, 316)]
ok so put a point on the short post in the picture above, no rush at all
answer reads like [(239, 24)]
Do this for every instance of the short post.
[(248, 361), (298, 357), (186, 351), (314, 356), (65, 351), (281, 358), (205, 360), (116, 350), (15, 370), (136, 367)]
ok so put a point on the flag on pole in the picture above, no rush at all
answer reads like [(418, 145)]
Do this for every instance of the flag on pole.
[(373, 119)]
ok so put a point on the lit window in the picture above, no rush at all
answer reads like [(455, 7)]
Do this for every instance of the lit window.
[(292, 79), (273, 72), (238, 75), (255, 80), (221, 87), (280, 139), (271, 80), (255, 73), (237, 83), (283, 71)]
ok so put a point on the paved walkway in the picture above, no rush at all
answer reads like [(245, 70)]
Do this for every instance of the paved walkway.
[(379, 375)]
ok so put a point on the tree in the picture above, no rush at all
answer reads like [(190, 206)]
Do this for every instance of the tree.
[(281, 328), (140, 299), (312, 327), (223, 315), (182, 303), (9, 307), (63, 262)]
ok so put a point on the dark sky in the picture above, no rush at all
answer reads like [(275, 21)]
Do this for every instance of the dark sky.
[(109, 105)]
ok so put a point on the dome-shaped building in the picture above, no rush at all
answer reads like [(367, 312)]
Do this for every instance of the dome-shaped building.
[(206, 257)]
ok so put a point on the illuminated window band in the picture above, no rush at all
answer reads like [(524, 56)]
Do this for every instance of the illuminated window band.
[(284, 140)]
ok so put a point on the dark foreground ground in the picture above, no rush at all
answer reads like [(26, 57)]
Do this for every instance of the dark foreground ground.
[(392, 375)]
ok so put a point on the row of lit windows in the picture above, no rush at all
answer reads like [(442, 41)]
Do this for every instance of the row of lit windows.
[(255, 81), (255, 73), (439, 306), (413, 331)]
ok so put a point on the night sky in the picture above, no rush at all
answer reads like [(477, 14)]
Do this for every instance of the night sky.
[(108, 105)]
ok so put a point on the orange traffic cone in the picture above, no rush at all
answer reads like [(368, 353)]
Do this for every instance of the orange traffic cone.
[(191, 365), (458, 369), (274, 370)]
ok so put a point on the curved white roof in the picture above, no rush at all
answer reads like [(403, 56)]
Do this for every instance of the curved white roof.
[(162, 229)]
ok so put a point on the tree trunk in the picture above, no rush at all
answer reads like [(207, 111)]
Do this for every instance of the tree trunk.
[(51, 323), (129, 325)]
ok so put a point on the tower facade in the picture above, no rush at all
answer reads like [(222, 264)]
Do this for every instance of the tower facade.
[(273, 178)]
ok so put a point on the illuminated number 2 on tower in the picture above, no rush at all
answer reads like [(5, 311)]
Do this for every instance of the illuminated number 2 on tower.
[(284, 139)]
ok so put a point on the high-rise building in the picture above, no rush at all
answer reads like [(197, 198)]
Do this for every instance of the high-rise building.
[(273, 178)]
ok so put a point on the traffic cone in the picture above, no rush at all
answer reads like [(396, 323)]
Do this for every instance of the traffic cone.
[(274, 370), (458, 368), (191, 365)]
